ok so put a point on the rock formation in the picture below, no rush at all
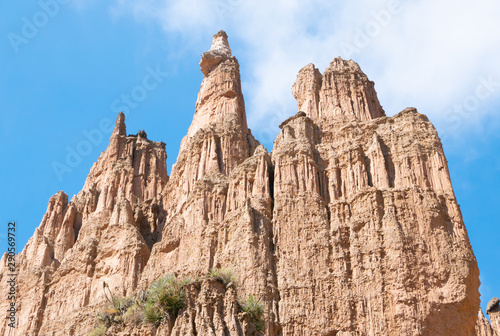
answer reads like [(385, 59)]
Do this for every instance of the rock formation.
[(103, 234), (484, 328), (493, 310), (348, 227)]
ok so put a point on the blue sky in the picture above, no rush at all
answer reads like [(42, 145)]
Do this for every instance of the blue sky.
[(68, 66)]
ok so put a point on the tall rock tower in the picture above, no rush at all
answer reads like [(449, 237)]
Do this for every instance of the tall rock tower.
[(369, 237)]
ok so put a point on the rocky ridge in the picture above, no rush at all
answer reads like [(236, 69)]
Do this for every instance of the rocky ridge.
[(348, 227)]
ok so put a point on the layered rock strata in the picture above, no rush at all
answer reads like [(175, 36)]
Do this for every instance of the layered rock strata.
[(348, 227)]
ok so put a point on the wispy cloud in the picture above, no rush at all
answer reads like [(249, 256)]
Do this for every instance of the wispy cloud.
[(422, 53)]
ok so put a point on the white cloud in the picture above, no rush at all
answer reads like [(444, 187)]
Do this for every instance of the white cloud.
[(427, 54)]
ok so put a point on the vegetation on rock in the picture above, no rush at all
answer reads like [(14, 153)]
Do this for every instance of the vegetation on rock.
[(226, 275), (255, 310)]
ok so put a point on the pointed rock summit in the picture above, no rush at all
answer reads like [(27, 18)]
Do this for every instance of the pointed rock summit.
[(220, 94), (350, 226), (218, 133), (120, 128), (342, 90), (219, 51)]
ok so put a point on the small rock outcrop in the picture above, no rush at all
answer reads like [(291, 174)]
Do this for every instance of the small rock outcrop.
[(350, 226), (493, 310), (483, 326), (343, 89)]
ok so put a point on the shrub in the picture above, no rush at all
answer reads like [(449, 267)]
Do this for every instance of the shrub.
[(255, 310), (134, 315), (153, 313), (114, 312), (100, 330), (108, 316), (165, 297), (121, 304), (226, 275)]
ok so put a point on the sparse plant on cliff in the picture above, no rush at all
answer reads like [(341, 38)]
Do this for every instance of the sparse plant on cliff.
[(121, 304), (153, 313), (226, 275), (120, 310), (255, 310), (166, 297), (134, 314), (100, 330)]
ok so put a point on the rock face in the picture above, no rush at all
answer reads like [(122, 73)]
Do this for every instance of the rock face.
[(352, 235), (211, 309), (484, 328), (349, 227), (343, 89), (103, 234)]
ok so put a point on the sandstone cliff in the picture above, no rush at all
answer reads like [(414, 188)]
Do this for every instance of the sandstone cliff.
[(349, 227)]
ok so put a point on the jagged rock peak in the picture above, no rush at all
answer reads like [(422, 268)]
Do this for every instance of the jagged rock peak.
[(220, 96), (339, 64), (342, 90), (483, 326), (220, 44), (131, 164), (120, 128), (493, 310), (218, 139), (340, 230), (219, 51)]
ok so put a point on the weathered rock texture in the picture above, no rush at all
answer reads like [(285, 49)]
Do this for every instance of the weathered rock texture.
[(211, 309), (484, 328), (362, 214), (349, 227), (103, 234), (343, 89)]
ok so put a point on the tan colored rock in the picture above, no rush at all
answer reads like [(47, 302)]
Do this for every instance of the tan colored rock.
[(343, 89), (41, 256), (493, 310), (96, 237), (218, 200), (362, 213), (211, 310), (220, 93), (483, 326), (349, 227)]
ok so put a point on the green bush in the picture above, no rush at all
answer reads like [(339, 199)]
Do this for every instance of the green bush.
[(153, 313), (165, 297), (255, 310), (100, 330), (226, 275), (109, 316)]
